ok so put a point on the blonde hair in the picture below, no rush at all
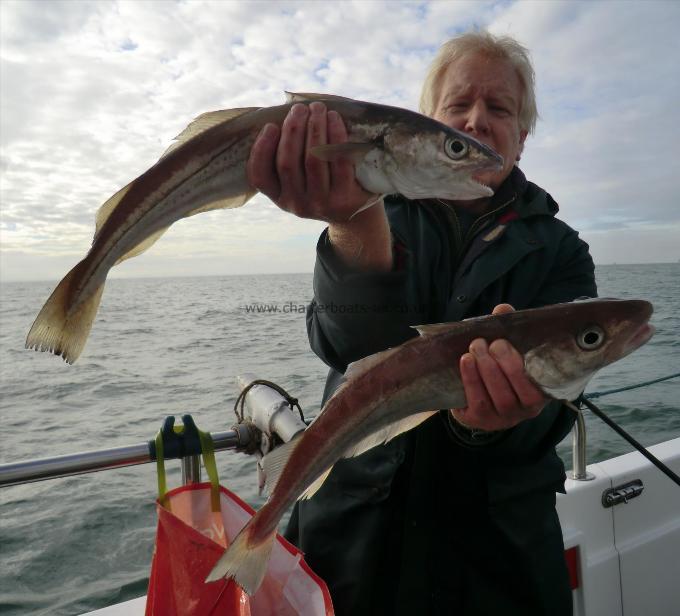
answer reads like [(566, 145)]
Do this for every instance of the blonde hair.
[(499, 47)]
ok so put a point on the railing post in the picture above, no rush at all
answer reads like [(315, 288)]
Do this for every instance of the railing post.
[(191, 469), (578, 448)]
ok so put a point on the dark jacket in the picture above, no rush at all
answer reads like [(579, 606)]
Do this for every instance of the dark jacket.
[(439, 521)]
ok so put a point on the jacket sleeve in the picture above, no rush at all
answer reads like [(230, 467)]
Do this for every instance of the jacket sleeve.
[(355, 314), (572, 274)]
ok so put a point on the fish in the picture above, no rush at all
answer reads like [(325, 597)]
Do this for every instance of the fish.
[(393, 391), (394, 151)]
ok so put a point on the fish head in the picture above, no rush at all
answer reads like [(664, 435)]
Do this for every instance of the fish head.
[(567, 349), (425, 159)]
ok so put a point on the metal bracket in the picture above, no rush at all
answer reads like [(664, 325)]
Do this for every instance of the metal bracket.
[(622, 494)]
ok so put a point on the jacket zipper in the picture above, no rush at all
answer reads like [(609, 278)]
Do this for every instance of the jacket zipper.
[(465, 242)]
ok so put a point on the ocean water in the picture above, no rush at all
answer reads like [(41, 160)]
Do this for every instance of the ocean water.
[(172, 346)]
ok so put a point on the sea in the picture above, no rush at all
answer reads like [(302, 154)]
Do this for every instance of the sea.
[(171, 346)]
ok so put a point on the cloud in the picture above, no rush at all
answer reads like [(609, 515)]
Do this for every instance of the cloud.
[(93, 92), (608, 99)]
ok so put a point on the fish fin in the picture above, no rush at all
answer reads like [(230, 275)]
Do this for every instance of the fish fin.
[(143, 246), (224, 204), (372, 440), (199, 125), (307, 97), (388, 433), (107, 207), (245, 563), (348, 150), (204, 122), (370, 203), (313, 488), (433, 329), (366, 363), (60, 329), (230, 202), (274, 462)]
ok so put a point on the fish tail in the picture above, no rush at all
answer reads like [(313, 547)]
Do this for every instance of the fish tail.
[(60, 327), (245, 560)]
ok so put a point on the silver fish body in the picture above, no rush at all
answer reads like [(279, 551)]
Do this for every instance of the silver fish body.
[(393, 391), (394, 151)]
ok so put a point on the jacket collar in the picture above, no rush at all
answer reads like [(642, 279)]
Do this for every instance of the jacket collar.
[(514, 186)]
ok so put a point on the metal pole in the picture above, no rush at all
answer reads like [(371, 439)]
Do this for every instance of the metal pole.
[(191, 469), (578, 449), (39, 469)]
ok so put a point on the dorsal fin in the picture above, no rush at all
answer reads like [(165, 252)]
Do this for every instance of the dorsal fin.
[(206, 121), (197, 126), (305, 97), (435, 328), (366, 363)]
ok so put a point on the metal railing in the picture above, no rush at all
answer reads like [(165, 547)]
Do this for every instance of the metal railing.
[(578, 451), (27, 471), (40, 469)]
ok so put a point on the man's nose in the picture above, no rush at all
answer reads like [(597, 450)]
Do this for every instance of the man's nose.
[(477, 120)]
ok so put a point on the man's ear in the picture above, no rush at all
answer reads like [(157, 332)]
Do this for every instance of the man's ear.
[(522, 138)]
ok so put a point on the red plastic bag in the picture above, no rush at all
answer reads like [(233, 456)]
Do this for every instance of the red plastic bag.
[(195, 523)]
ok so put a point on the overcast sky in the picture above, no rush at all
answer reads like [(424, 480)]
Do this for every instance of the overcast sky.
[(93, 93)]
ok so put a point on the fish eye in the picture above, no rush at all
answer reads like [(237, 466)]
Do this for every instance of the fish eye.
[(590, 338), (455, 148)]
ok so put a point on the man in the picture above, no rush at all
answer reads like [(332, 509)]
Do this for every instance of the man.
[(456, 516)]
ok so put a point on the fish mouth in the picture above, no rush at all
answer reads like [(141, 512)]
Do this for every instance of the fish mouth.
[(493, 160), (483, 184), (640, 337), (484, 189)]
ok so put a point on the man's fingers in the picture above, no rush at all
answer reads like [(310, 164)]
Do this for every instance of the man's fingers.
[(290, 155), (261, 165), (499, 389), (316, 170), (342, 171), (479, 406), (512, 365)]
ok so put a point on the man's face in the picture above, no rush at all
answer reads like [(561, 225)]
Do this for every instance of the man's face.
[(481, 96)]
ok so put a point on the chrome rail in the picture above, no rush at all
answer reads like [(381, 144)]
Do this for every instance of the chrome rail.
[(578, 451), (39, 469)]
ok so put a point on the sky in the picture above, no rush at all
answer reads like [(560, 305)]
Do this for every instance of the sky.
[(93, 92)]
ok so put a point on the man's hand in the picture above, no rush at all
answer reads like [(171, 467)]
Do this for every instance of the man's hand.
[(282, 167), (498, 391)]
